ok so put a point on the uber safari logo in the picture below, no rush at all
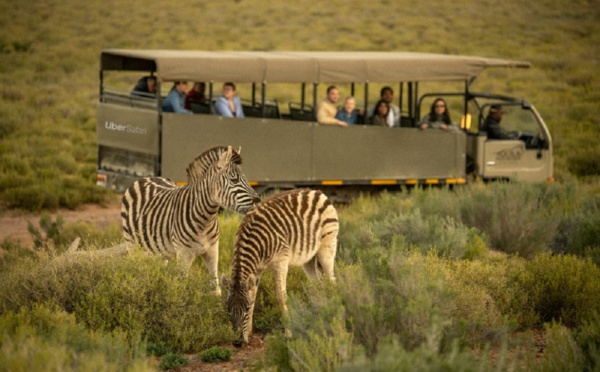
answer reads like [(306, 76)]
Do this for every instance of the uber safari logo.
[(124, 128)]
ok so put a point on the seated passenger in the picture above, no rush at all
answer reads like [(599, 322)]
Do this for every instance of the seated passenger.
[(176, 98), (145, 87), (349, 113), (491, 125), (228, 104), (196, 94), (394, 114), (380, 114), (438, 117), (327, 109)]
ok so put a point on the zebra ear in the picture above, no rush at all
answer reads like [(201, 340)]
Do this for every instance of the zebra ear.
[(239, 150), (224, 159)]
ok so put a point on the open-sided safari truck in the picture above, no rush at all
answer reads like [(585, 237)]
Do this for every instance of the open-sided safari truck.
[(284, 147)]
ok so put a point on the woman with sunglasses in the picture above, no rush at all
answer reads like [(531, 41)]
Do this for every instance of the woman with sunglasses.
[(438, 117)]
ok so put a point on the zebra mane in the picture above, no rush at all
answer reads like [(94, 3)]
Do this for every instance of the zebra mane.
[(199, 166)]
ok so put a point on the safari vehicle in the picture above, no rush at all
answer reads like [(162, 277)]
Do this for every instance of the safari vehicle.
[(282, 144)]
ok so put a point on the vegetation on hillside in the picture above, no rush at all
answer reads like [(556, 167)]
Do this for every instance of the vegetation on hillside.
[(49, 68)]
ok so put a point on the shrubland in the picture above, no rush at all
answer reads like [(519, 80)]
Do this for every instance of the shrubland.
[(421, 281)]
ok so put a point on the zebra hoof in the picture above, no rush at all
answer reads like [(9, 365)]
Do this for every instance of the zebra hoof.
[(238, 343)]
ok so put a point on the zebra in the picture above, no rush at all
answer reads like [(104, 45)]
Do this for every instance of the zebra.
[(181, 222), (297, 227)]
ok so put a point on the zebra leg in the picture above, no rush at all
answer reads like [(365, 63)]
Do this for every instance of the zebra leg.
[(326, 253), (311, 269), (185, 258), (211, 260), (280, 275), (253, 293)]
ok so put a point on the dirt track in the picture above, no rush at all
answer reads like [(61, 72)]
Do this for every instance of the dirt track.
[(13, 224)]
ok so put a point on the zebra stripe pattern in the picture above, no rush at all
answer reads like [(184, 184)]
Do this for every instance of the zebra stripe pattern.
[(181, 222), (294, 228)]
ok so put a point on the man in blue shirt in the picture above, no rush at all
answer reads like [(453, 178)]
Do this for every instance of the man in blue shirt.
[(175, 100)]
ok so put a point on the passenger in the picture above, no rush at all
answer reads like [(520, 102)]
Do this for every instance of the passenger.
[(349, 113), (196, 94), (145, 87), (176, 98), (326, 114), (228, 104), (438, 117), (491, 125), (380, 114), (394, 114)]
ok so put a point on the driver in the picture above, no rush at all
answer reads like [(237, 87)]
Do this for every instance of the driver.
[(491, 125)]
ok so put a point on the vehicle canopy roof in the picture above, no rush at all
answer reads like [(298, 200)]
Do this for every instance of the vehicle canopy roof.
[(300, 66)]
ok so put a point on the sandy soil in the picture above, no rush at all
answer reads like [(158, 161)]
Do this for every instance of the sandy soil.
[(13, 224)]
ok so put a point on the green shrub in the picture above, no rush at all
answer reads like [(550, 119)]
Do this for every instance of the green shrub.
[(157, 348), (45, 338), (563, 288), (445, 236), (392, 356), (216, 354), (393, 220), (319, 343), (561, 352), (11, 252), (490, 300), (515, 217), (588, 339), (172, 361), (136, 293)]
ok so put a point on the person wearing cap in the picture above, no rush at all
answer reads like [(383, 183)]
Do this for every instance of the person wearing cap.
[(491, 125)]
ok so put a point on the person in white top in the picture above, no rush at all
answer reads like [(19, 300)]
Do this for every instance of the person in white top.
[(394, 113)]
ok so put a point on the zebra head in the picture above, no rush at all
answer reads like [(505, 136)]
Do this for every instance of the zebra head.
[(240, 303), (233, 190), (219, 170)]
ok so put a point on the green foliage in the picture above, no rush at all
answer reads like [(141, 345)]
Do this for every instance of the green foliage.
[(392, 356), (515, 217), (135, 293), (322, 346), (563, 288), (45, 338), (561, 353), (172, 361), (50, 231), (157, 348), (488, 300), (216, 354), (588, 339), (13, 251)]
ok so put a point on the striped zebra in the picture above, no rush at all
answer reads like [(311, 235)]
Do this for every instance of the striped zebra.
[(294, 228), (181, 222)]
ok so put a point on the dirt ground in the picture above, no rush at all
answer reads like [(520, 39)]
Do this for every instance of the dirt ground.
[(13, 226)]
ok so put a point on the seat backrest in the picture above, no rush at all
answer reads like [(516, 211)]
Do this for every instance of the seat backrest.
[(200, 108), (299, 112)]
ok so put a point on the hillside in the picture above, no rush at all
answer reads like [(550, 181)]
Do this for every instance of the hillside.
[(49, 68)]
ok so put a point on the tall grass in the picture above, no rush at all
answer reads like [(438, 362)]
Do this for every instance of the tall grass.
[(49, 68)]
